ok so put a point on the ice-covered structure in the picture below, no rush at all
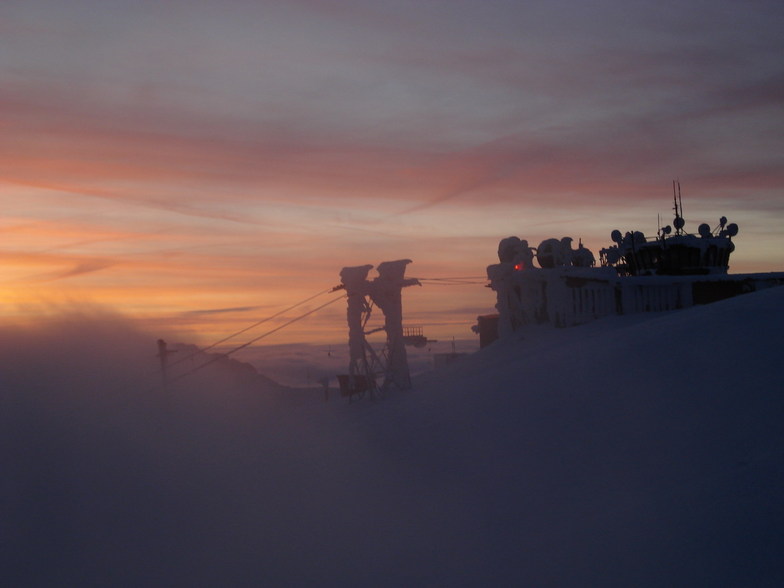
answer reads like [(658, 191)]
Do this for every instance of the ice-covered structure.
[(673, 270), (527, 294), (668, 254), (385, 291), (362, 358)]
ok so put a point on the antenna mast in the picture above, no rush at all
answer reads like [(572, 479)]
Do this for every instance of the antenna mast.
[(680, 201), (677, 207)]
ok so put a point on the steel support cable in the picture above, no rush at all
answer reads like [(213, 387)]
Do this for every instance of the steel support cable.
[(453, 278), (262, 336), (246, 329), (455, 281)]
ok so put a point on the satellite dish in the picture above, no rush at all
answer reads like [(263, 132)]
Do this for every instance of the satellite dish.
[(704, 230), (667, 230), (678, 222), (732, 229), (616, 236)]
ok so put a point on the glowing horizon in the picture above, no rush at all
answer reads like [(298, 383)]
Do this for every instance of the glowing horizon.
[(200, 167)]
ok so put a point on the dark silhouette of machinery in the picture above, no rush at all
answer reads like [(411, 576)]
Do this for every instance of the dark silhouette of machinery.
[(365, 365)]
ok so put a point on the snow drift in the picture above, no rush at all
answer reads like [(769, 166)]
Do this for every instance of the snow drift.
[(639, 451)]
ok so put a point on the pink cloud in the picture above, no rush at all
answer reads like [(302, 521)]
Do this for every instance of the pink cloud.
[(235, 162)]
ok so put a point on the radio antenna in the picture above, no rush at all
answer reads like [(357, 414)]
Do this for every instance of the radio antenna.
[(677, 207), (674, 199), (680, 201)]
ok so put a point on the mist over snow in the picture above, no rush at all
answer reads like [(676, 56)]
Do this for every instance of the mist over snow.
[(634, 451), (304, 364)]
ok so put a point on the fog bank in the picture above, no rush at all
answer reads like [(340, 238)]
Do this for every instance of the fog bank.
[(639, 451)]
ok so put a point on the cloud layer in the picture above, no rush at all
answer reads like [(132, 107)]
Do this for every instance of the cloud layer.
[(170, 158)]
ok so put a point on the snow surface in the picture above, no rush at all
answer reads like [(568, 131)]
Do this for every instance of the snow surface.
[(633, 451)]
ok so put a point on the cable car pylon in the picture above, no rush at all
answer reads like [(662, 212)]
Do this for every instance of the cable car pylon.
[(365, 365)]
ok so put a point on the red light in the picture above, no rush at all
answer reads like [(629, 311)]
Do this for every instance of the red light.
[(518, 266)]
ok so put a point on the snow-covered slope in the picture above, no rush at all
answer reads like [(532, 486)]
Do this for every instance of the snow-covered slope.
[(634, 451)]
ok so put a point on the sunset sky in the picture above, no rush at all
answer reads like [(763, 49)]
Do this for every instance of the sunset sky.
[(202, 164)]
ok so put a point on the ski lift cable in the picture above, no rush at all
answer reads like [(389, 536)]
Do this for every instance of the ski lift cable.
[(262, 336), (451, 281), (442, 281), (286, 324), (455, 281), (454, 278), (248, 328)]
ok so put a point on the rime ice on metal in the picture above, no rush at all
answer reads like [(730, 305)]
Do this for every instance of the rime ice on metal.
[(354, 279), (673, 270), (385, 292)]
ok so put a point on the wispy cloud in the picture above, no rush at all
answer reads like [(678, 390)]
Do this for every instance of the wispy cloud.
[(240, 158), (210, 311), (130, 197), (79, 269)]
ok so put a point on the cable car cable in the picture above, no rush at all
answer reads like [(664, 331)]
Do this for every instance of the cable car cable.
[(253, 326), (263, 335)]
